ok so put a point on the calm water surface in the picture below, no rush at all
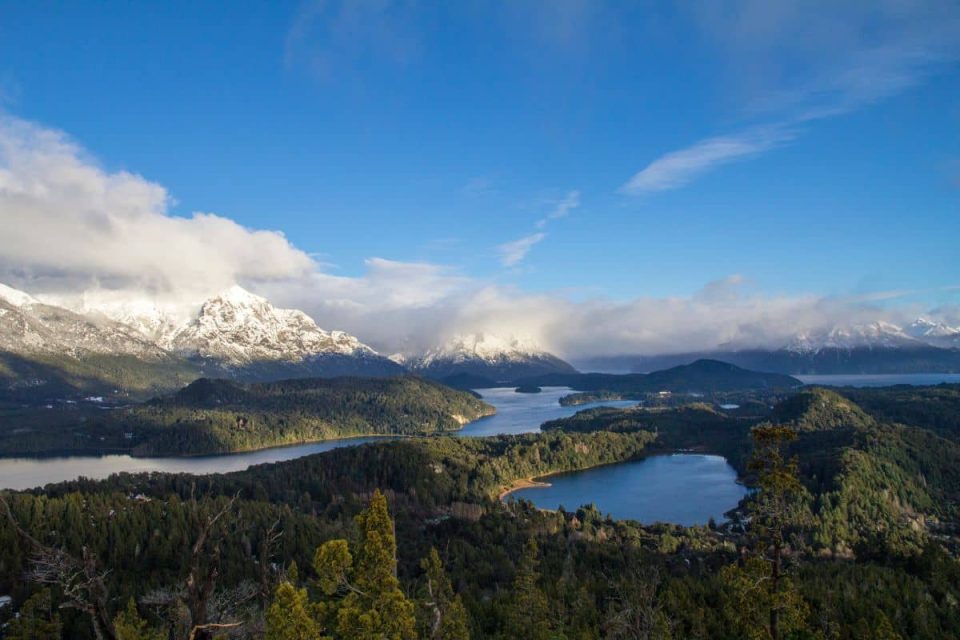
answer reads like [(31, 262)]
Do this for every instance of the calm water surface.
[(516, 413), (685, 489), (26, 473), (524, 412), (880, 380)]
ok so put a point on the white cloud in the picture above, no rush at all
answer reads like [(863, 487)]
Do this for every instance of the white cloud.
[(798, 61), (562, 208), (68, 227), (677, 168), (66, 223), (512, 253)]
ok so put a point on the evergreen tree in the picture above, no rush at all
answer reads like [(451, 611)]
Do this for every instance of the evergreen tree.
[(443, 615), (374, 606), (762, 600), (37, 620), (130, 626), (884, 629), (528, 614), (289, 616)]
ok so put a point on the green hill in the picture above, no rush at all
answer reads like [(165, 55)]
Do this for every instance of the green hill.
[(41, 377), (704, 376), (220, 416), (818, 410)]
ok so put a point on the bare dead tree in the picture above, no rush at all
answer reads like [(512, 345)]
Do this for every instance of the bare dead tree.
[(209, 614), (635, 610), (195, 609), (81, 580), (267, 550)]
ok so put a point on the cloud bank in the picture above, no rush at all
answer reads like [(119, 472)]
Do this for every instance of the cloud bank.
[(72, 231), (68, 224)]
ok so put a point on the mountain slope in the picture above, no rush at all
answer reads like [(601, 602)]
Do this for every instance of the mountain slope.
[(138, 346), (48, 351), (923, 346)]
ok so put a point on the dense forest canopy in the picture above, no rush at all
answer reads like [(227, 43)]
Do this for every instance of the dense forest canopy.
[(219, 416), (853, 530)]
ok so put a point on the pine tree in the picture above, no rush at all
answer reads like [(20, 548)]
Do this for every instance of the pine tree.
[(130, 626), (762, 600), (289, 616), (372, 605), (884, 629), (37, 620), (442, 612), (528, 615)]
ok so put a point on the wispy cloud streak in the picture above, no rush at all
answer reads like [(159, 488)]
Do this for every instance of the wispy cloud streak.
[(807, 62), (677, 168), (513, 253)]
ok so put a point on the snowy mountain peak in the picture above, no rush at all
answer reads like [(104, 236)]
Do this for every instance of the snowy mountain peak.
[(15, 297), (879, 334), (926, 328), (239, 327), (238, 296), (496, 357)]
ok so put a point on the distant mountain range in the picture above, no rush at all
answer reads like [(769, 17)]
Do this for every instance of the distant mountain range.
[(136, 349), (923, 346)]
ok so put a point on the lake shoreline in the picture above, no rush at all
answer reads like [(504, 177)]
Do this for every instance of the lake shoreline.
[(522, 483)]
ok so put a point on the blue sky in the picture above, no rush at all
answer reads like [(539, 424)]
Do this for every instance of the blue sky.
[(577, 150)]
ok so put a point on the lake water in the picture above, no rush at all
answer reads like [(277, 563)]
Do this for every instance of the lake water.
[(516, 413), (525, 412), (685, 489), (880, 380), (25, 473)]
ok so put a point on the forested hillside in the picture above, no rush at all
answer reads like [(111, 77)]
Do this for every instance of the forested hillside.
[(219, 416), (861, 513)]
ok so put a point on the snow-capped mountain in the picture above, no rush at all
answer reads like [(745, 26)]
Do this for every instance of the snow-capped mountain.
[(15, 297), (234, 334), (934, 333), (877, 335), (50, 352), (240, 334), (498, 358), (238, 328), (883, 335), (28, 326)]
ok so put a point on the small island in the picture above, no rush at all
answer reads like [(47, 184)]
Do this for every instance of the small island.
[(528, 388)]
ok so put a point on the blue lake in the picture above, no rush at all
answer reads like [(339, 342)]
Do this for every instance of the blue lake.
[(683, 488)]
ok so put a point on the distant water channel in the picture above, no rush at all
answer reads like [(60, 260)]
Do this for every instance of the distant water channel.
[(685, 489), (516, 413), (880, 380)]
